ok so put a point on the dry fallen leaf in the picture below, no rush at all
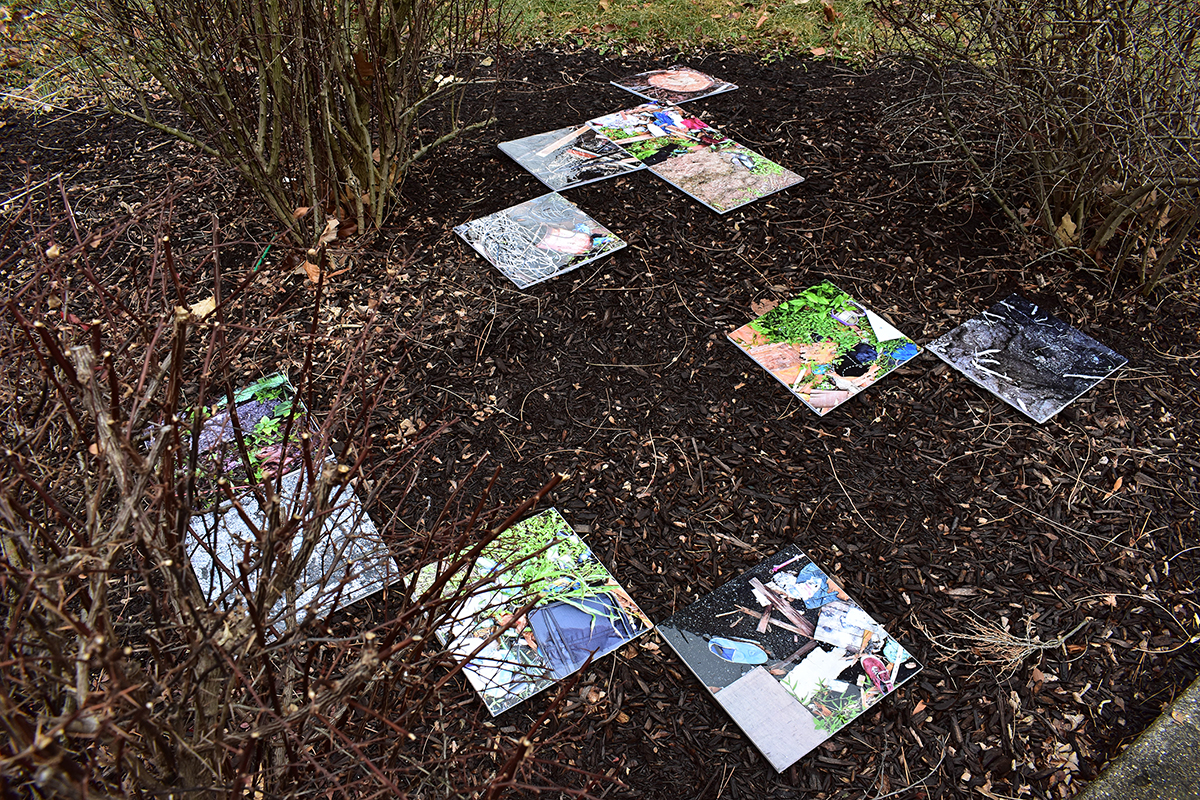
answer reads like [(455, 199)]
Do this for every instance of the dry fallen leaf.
[(1065, 233), (53, 301), (301, 211), (817, 51), (330, 232), (760, 307), (312, 271), (604, 5), (830, 15), (203, 308), (761, 20), (919, 707)]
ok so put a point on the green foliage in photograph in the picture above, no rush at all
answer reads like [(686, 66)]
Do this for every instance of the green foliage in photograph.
[(842, 710), (543, 557), (763, 166), (808, 319)]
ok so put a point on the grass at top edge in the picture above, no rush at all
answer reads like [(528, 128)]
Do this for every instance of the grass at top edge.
[(772, 28), (35, 70)]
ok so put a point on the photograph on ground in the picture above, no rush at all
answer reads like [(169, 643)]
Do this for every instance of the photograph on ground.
[(676, 84), (351, 560), (788, 654), (694, 157), (539, 239), (266, 413), (1027, 357), (824, 346), (570, 157), (536, 606)]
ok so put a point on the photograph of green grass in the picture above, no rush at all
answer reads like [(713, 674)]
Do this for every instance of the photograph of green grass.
[(535, 607), (270, 423), (824, 346)]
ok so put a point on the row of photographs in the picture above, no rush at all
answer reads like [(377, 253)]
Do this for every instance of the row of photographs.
[(788, 654), (784, 650), (824, 345), (536, 605)]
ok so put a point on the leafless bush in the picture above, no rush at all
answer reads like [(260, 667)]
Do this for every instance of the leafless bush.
[(1080, 117), (318, 104), (121, 676)]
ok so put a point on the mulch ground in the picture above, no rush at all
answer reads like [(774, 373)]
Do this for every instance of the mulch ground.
[(937, 506)]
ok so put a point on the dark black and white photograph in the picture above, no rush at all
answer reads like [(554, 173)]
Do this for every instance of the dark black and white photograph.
[(1027, 357)]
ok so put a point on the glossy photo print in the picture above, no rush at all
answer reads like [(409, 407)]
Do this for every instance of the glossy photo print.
[(570, 157), (694, 157), (536, 606), (824, 346), (1027, 357), (539, 239), (270, 421), (788, 654), (676, 84), (350, 561)]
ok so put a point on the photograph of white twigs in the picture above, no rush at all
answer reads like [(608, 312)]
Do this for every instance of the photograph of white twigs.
[(539, 239), (1027, 357)]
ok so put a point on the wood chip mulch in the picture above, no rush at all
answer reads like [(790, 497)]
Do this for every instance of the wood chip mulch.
[(976, 536)]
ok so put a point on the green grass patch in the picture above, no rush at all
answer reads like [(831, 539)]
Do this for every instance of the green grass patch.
[(834, 28), (35, 67)]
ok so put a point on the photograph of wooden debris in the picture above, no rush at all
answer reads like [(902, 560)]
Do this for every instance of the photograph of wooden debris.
[(342, 460)]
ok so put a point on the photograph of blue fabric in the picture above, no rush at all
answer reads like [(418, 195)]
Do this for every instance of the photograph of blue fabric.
[(568, 634), (535, 607)]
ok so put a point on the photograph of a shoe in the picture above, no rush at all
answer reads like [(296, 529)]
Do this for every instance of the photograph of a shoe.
[(737, 652), (786, 651)]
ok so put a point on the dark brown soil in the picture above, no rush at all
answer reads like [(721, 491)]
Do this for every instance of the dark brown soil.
[(932, 502)]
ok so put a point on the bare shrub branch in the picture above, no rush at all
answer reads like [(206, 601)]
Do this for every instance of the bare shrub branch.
[(122, 675), (1081, 117), (317, 105)]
